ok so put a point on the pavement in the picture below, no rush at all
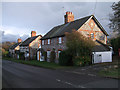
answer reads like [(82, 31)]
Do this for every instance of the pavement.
[(16, 75)]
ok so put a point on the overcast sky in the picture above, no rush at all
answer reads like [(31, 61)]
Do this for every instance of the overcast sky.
[(20, 18)]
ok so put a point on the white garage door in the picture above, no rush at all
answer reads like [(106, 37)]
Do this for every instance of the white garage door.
[(97, 58)]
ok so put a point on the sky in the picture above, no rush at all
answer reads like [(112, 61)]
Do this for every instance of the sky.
[(20, 18)]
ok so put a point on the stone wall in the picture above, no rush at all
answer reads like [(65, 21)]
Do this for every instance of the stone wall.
[(91, 27), (55, 45)]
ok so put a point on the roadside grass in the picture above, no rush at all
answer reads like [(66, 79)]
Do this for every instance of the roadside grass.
[(44, 64), (111, 73)]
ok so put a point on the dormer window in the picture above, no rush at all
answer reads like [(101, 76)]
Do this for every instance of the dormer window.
[(48, 41), (60, 40)]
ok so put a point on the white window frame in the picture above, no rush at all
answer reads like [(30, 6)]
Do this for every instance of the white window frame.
[(60, 40), (48, 41), (42, 42)]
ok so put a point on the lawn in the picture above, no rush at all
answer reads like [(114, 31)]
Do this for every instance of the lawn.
[(50, 65)]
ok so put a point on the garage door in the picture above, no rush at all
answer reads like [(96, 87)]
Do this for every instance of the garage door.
[(97, 58)]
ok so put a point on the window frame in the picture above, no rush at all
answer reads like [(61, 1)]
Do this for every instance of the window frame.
[(48, 41), (60, 39), (43, 42)]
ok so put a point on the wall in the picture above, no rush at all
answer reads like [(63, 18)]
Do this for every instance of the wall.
[(105, 56), (91, 27), (34, 45), (54, 44), (24, 48), (17, 48)]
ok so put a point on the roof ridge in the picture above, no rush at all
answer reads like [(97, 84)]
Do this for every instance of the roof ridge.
[(73, 21), (15, 45), (29, 40), (82, 18)]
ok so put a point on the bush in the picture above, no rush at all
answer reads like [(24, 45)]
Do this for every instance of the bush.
[(87, 60), (52, 56), (78, 61), (45, 55), (115, 44), (82, 60), (65, 59), (78, 44), (21, 55)]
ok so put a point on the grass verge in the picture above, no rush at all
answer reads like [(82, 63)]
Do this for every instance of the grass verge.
[(110, 73), (44, 64)]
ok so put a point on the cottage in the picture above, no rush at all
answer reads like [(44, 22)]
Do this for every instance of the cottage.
[(88, 26), (30, 45), (14, 49)]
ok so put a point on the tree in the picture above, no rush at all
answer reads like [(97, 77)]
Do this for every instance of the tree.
[(79, 48), (7, 45), (78, 44), (115, 17), (115, 42), (4, 52)]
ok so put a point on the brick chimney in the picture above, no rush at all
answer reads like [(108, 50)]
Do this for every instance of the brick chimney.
[(33, 33), (19, 40), (69, 17)]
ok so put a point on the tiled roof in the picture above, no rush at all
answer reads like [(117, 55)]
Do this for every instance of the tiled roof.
[(61, 29), (100, 47), (28, 41), (14, 46)]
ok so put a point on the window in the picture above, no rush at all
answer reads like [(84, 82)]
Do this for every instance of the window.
[(42, 42), (48, 41), (102, 37), (92, 35), (60, 39)]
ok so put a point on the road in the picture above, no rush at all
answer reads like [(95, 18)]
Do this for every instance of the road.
[(16, 75)]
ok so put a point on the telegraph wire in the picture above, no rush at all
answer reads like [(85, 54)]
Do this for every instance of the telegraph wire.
[(95, 7)]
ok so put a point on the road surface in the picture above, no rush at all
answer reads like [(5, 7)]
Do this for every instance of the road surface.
[(16, 75)]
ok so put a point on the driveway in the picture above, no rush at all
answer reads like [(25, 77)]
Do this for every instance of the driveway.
[(16, 75)]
